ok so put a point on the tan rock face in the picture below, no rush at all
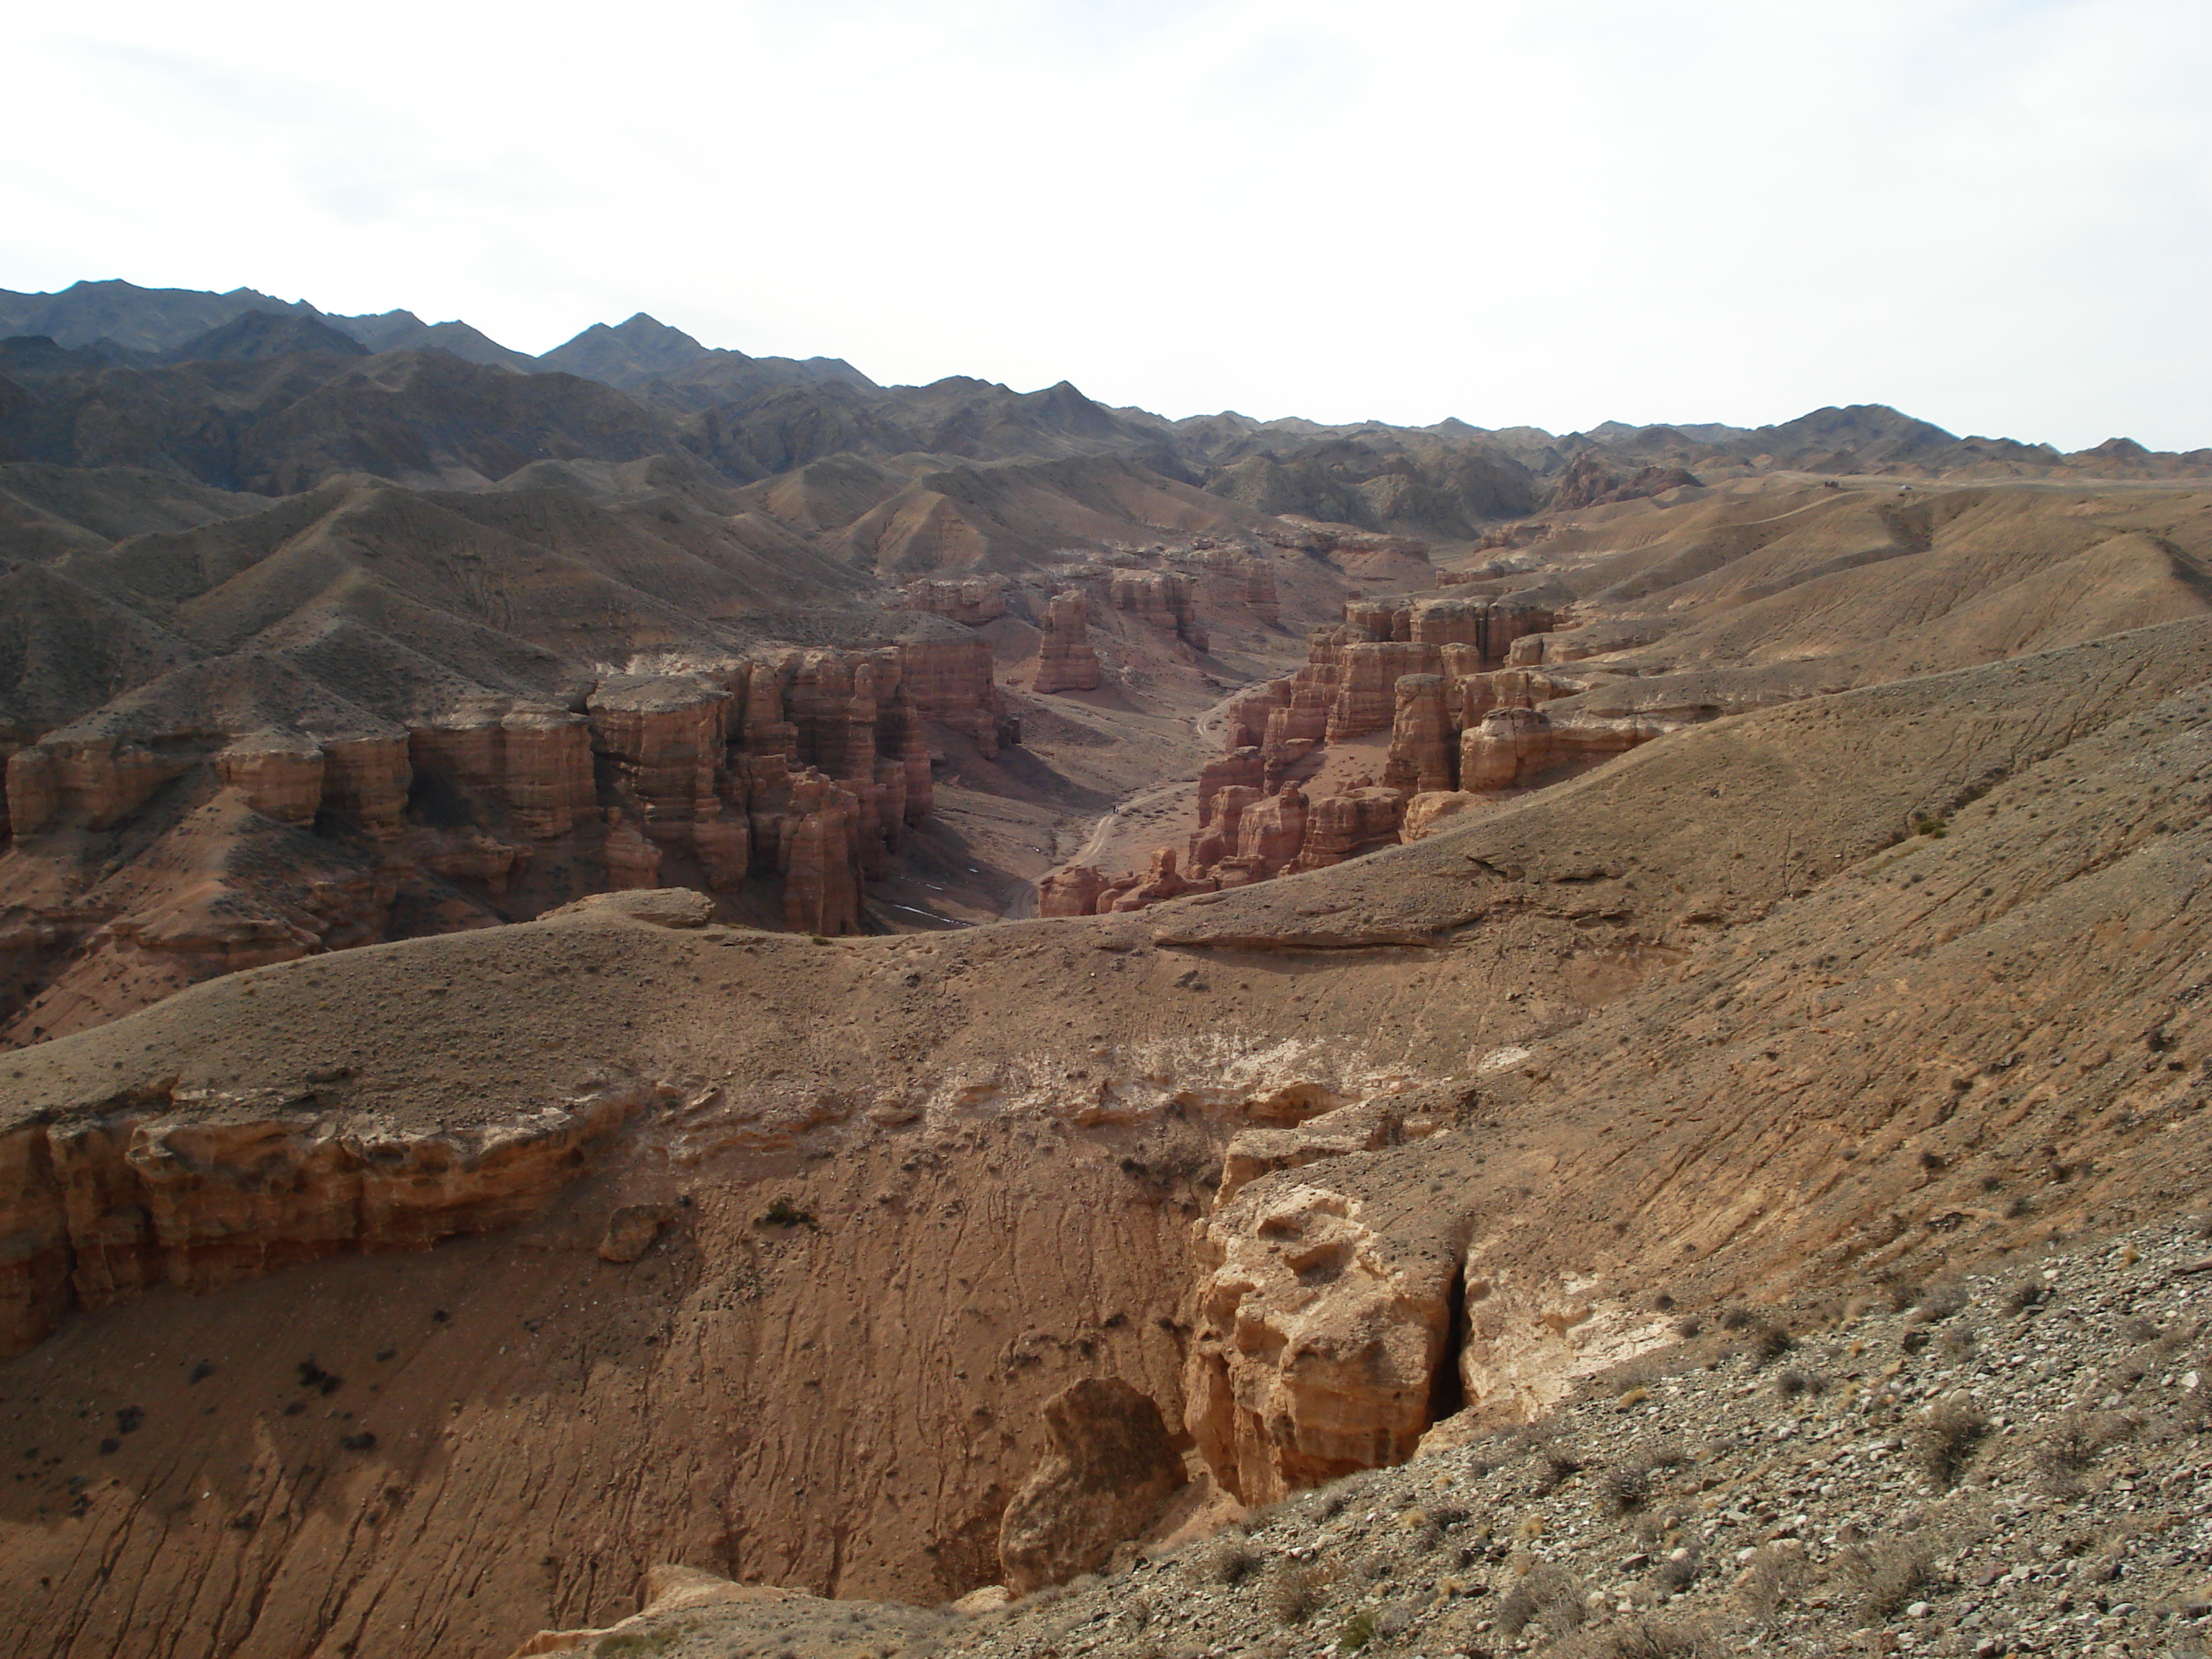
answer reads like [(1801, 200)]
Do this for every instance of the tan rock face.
[(1071, 891), (1427, 813), (1111, 1466), (1421, 749), (1065, 658), (199, 1191), (1316, 1341)]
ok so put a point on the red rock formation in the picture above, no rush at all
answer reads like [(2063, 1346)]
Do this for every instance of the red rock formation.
[(950, 681), (664, 736), (1160, 881), (280, 772), (1273, 829), (1247, 716), (1243, 766), (1421, 749), (971, 602), (1351, 821), (1065, 659), (366, 780), (1161, 597), (545, 770), (631, 860), (1071, 891), (1368, 672)]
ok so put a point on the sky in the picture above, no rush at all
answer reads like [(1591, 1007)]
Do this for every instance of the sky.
[(1995, 216)]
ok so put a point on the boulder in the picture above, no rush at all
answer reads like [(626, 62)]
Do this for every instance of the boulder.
[(1111, 1466)]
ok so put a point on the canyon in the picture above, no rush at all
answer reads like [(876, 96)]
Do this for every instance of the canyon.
[(800, 990)]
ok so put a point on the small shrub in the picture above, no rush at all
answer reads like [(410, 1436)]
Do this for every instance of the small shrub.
[(1673, 1575), (782, 1212), (1358, 1631), (1888, 1575), (1651, 1638), (1548, 1595), (1947, 1439), (2136, 1328), (1768, 1342), (1624, 1489), (1688, 1326), (1555, 1467), (1736, 1319), (2029, 1293), (1770, 1581), (1939, 1303), (1296, 1593), (1791, 1384), (626, 1643), (1233, 1561), (2065, 1452)]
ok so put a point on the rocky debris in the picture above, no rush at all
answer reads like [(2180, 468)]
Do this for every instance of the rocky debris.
[(1111, 1467), (1065, 659), (2006, 1462), (632, 1230)]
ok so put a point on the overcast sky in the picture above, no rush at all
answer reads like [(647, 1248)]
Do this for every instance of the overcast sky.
[(1996, 216)]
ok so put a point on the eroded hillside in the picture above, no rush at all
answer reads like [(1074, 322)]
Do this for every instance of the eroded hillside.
[(1709, 1021)]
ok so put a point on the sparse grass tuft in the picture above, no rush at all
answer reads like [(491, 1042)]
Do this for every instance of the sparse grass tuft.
[(1624, 1489), (1555, 1467), (1946, 1437), (1296, 1593), (1887, 1575), (1233, 1561), (1547, 1595)]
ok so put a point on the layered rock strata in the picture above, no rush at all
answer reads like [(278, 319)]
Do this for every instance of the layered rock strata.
[(202, 1188), (1067, 661)]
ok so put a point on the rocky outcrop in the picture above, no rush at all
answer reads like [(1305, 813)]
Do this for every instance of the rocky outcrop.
[(1245, 766), (1067, 661), (198, 1190), (1315, 1340), (1425, 814), (1345, 824), (1162, 599), (1071, 891), (1589, 482), (1421, 749), (1112, 1466), (971, 602), (1369, 672)]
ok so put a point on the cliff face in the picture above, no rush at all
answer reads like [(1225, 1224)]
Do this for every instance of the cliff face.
[(249, 839), (200, 1188)]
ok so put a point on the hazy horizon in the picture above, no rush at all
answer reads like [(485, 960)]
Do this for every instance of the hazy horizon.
[(1991, 216)]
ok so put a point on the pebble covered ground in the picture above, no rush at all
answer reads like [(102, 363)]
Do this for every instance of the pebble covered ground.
[(2014, 1461)]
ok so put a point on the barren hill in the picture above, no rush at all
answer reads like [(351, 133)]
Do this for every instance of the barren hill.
[(1610, 1043), (660, 974)]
